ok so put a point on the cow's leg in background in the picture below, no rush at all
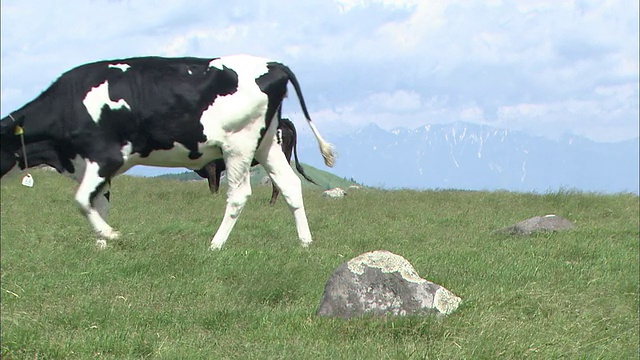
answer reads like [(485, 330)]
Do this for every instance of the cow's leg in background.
[(271, 157), (219, 164), (238, 165), (212, 177), (274, 194)]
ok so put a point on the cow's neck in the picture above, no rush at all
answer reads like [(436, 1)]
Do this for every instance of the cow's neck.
[(39, 119)]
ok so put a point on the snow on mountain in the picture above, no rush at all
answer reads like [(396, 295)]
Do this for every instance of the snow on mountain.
[(478, 157)]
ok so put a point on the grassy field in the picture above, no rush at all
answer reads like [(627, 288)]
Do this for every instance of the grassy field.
[(158, 293)]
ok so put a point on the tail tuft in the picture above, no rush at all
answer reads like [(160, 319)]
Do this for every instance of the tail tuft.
[(328, 153)]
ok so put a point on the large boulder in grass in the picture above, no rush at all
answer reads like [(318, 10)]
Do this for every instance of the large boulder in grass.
[(538, 224), (382, 283)]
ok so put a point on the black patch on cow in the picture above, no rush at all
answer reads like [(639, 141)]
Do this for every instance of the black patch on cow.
[(274, 84), (169, 107)]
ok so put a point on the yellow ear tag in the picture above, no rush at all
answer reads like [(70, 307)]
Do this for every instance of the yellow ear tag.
[(19, 130)]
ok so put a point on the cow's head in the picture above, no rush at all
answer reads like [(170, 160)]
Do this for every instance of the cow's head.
[(41, 150), (9, 144)]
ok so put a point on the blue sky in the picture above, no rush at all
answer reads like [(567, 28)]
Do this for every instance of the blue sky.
[(548, 67)]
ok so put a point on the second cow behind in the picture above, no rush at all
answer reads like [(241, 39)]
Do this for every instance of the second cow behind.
[(286, 137)]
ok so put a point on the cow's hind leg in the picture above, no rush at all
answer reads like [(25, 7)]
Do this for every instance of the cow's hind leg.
[(92, 186), (274, 162), (238, 176), (286, 149)]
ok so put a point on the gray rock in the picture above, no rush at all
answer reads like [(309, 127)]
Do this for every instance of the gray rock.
[(538, 224), (382, 283)]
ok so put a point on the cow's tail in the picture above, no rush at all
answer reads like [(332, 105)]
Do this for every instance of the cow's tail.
[(326, 149), (295, 152)]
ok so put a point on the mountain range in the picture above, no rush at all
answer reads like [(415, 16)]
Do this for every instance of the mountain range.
[(478, 157)]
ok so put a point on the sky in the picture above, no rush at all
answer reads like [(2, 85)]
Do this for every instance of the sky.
[(546, 67)]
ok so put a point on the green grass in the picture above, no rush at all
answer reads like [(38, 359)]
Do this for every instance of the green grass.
[(159, 293)]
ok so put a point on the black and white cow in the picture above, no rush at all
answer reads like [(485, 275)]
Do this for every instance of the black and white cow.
[(100, 119), (286, 136)]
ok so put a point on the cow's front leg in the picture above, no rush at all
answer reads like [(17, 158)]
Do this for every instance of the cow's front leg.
[(92, 186), (238, 176)]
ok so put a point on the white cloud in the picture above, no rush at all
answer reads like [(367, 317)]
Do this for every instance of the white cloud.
[(347, 5), (472, 114), (547, 66), (400, 100)]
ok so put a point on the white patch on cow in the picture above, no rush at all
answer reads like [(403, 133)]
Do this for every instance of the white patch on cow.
[(240, 113), (98, 97), (122, 67), (216, 63)]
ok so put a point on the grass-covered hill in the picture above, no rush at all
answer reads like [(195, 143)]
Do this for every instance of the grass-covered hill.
[(324, 179), (159, 293)]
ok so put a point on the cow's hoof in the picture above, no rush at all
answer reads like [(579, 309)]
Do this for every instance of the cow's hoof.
[(109, 234), (305, 243), (101, 244), (215, 247)]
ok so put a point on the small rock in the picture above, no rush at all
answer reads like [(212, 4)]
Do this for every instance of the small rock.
[(265, 181), (538, 224), (335, 193)]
